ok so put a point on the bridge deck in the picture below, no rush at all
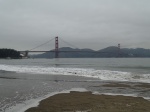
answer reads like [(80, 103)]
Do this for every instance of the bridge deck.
[(68, 51)]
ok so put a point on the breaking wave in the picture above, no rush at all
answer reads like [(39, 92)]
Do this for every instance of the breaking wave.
[(86, 72)]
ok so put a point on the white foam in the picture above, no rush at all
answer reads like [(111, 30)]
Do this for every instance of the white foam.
[(101, 74), (116, 94), (35, 102)]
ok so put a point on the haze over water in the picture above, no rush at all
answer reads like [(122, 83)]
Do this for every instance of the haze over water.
[(26, 79)]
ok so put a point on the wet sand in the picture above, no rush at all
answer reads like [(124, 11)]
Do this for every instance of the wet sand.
[(81, 102), (88, 102)]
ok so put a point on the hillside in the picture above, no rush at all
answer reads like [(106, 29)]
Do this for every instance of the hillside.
[(66, 54), (9, 53), (108, 52)]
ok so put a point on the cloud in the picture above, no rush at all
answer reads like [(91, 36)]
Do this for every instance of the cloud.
[(86, 23)]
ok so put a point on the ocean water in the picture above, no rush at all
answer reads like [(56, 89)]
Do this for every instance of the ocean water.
[(22, 80)]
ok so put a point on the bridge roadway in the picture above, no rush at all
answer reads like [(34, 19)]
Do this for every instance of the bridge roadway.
[(68, 51)]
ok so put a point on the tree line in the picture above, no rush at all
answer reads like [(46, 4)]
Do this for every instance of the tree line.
[(9, 53)]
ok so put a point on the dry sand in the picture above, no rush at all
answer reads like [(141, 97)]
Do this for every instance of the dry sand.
[(87, 102)]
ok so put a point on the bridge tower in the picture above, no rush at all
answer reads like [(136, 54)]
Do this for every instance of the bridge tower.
[(118, 50), (56, 48)]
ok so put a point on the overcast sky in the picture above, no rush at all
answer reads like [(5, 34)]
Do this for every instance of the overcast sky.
[(94, 24)]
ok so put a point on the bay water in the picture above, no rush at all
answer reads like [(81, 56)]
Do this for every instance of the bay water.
[(22, 80)]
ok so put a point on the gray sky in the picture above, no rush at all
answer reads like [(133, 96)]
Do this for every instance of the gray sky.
[(94, 24)]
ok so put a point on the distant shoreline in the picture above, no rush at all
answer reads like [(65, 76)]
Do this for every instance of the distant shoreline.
[(109, 52)]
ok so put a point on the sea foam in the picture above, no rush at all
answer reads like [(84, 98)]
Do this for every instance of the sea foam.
[(85, 72)]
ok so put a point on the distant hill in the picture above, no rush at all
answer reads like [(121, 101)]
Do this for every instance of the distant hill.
[(138, 52), (108, 52), (84, 54)]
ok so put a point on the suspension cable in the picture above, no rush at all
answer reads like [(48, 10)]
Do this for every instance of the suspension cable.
[(41, 44), (69, 43)]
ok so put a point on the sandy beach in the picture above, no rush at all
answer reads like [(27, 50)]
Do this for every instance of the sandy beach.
[(88, 102), (110, 96)]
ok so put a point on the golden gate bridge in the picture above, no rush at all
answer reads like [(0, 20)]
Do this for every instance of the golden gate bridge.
[(57, 51)]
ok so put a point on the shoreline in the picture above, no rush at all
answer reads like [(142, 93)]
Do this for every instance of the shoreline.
[(107, 88), (86, 101), (35, 102)]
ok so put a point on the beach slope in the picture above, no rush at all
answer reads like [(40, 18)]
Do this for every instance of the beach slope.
[(88, 102)]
